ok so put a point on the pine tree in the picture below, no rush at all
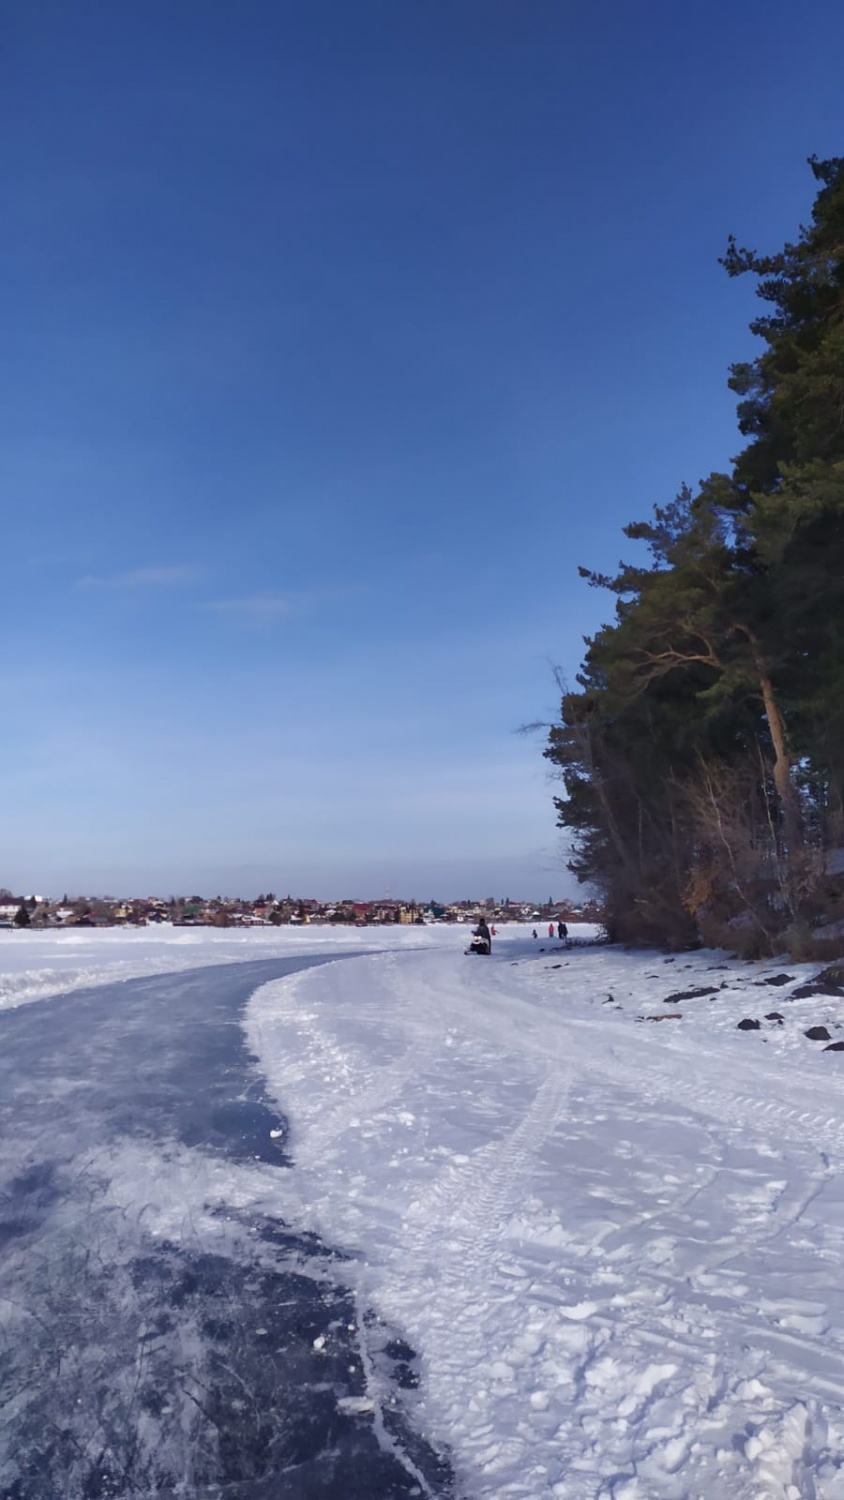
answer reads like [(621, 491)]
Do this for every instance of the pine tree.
[(703, 757)]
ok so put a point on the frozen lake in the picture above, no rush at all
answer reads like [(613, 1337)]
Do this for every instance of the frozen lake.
[(349, 1214)]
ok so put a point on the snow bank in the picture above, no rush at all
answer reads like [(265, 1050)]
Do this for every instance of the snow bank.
[(617, 1244)]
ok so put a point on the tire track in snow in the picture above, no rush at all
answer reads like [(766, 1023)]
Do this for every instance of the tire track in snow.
[(595, 1049), (472, 1198), (791, 1121)]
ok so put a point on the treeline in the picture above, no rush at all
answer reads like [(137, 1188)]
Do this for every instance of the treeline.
[(702, 754)]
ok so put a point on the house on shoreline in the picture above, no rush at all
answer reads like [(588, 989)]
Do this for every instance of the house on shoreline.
[(269, 910)]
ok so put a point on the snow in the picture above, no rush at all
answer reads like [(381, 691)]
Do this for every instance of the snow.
[(616, 1245), (35, 965)]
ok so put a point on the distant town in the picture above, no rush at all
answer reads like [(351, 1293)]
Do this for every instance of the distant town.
[(269, 910)]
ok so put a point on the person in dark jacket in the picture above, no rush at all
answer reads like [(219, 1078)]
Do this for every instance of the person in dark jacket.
[(481, 938)]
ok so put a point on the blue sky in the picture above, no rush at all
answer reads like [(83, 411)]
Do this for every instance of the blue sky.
[(336, 333)]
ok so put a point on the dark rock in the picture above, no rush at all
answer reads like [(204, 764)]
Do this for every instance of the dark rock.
[(817, 1034), (690, 994), (774, 1015), (835, 1047), (776, 979), (748, 1025), (830, 981)]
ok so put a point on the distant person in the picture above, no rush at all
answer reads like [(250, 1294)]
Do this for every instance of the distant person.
[(481, 939), (550, 929), (562, 932), (535, 933)]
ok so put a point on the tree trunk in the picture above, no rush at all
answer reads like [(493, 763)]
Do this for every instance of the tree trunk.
[(782, 755)]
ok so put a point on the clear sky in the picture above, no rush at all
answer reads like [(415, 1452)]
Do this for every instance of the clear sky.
[(335, 334)]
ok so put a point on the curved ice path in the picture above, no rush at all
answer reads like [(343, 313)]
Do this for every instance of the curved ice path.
[(168, 1325)]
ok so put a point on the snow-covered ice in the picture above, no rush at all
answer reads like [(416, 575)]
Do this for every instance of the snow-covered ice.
[(35, 965), (610, 1223)]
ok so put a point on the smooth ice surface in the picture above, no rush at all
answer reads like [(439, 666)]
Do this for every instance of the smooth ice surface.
[(168, 1326), (609, 1224)]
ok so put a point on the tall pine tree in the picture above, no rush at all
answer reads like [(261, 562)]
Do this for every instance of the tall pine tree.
[(703, 756)]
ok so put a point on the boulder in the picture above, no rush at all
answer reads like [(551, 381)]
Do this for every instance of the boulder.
[(830, 981)]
